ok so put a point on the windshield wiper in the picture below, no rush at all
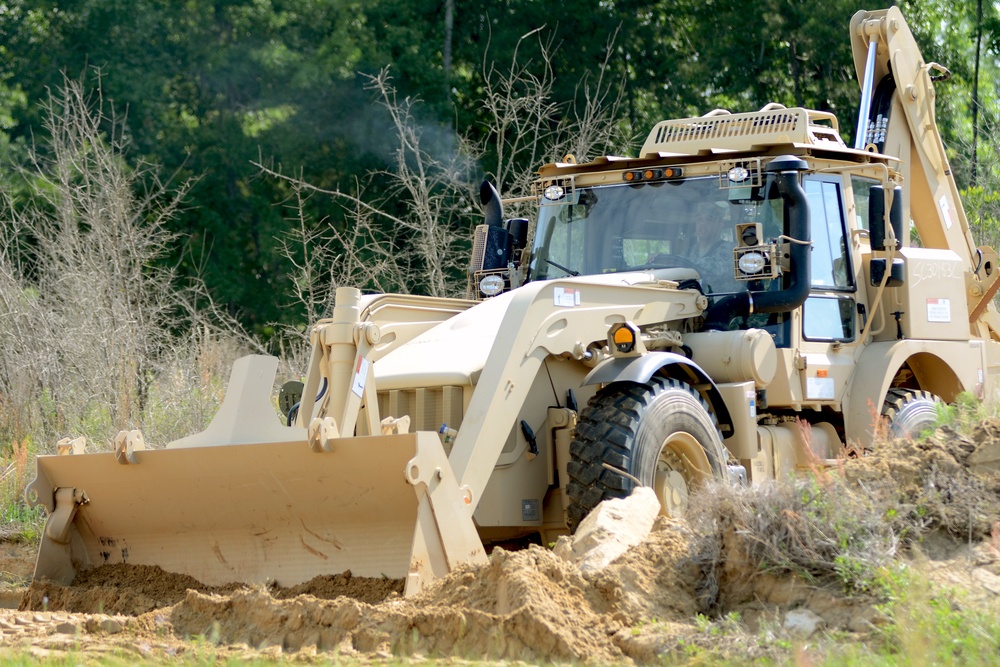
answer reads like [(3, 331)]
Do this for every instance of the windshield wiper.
[(560, 266)]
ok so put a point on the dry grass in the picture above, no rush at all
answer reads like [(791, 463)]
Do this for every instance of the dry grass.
[(931, 484), (96, 334), (821, 528), (15, 473), (848, 526), (89, 312)]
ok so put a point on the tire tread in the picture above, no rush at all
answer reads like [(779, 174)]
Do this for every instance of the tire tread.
[(606, 433), (900, 403)]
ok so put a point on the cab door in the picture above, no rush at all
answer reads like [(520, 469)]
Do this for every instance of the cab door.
[(829, 317)]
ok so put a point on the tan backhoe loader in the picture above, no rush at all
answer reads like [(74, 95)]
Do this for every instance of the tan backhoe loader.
[(742, 301)]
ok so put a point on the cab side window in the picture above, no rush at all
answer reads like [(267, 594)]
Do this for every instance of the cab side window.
[(829, 258), (829, 312), (828, 318)]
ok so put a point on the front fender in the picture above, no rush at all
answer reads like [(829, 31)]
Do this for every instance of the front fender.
[(670, 364)]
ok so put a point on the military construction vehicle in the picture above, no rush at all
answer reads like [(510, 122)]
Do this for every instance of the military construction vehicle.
[(748, 298)]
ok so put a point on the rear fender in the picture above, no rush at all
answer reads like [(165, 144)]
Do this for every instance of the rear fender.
[(944, 368), (669, 364)]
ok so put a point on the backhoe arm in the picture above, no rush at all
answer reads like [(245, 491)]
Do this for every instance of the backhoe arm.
[(901, 123)]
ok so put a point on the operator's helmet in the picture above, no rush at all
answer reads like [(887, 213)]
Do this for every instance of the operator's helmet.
[(712, 216), (717, 209)]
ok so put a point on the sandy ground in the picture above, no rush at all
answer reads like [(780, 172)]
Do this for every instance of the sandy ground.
[(525, 605)]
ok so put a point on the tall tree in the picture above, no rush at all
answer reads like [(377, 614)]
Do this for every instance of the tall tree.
[(975, 86), (211, 86)]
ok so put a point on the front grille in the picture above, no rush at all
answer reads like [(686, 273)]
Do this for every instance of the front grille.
[(427, 407)]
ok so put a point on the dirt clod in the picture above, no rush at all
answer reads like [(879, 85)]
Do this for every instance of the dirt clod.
[(365, 589)]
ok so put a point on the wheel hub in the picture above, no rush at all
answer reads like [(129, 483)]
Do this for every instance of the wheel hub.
[(672, 491), (677, 467), (669, 483)]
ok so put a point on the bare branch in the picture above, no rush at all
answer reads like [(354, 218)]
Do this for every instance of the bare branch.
[(85, 329)]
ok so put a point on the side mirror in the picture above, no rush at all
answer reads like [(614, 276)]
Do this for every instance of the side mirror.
[(518, 228), (876, 216)]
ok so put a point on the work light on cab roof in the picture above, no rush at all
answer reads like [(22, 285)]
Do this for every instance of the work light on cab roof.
[(554, 193)]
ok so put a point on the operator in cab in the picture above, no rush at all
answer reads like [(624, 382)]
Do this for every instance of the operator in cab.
[(712, 246)]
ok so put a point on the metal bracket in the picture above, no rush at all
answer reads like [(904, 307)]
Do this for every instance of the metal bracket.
[(322, 431), (68, 500), (396, 426), (69, 447), (992, 282), (445, 535), (127, 443)]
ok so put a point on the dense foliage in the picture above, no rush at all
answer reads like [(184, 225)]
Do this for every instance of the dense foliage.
[(206, 89)]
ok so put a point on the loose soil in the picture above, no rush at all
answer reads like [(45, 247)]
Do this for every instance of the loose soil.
[(949, 480), (524, 605), (136, 589)]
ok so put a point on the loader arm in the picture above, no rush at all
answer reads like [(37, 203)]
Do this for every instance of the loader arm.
[(902, 123), (402, 317), (530, 331)]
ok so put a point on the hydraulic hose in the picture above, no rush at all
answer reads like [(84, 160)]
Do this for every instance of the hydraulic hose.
[(293, 412), (881, 106)]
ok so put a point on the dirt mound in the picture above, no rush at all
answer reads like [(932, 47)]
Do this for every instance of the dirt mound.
[(948, 481), (526, 605)]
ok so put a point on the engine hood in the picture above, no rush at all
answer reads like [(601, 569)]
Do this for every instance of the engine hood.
[(454, 352), (451, 353)]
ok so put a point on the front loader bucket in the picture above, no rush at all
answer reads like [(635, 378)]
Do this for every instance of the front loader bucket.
[(254, 513)]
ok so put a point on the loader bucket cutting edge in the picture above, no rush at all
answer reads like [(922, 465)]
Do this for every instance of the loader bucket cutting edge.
[(261, 512)]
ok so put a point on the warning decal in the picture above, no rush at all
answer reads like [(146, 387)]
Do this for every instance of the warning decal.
[(938, 310), (566, 297), (360, 377)]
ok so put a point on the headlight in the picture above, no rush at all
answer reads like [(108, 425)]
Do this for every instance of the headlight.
[(491, 285), (553, 192), (752, 262), (738, 174)]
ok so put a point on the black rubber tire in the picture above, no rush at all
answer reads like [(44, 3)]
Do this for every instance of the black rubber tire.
[(627, 426), (909, 412)]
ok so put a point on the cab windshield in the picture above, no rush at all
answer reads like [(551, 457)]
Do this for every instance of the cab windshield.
[(669, 224)]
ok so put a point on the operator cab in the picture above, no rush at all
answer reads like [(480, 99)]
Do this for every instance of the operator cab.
[(680, 224)]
